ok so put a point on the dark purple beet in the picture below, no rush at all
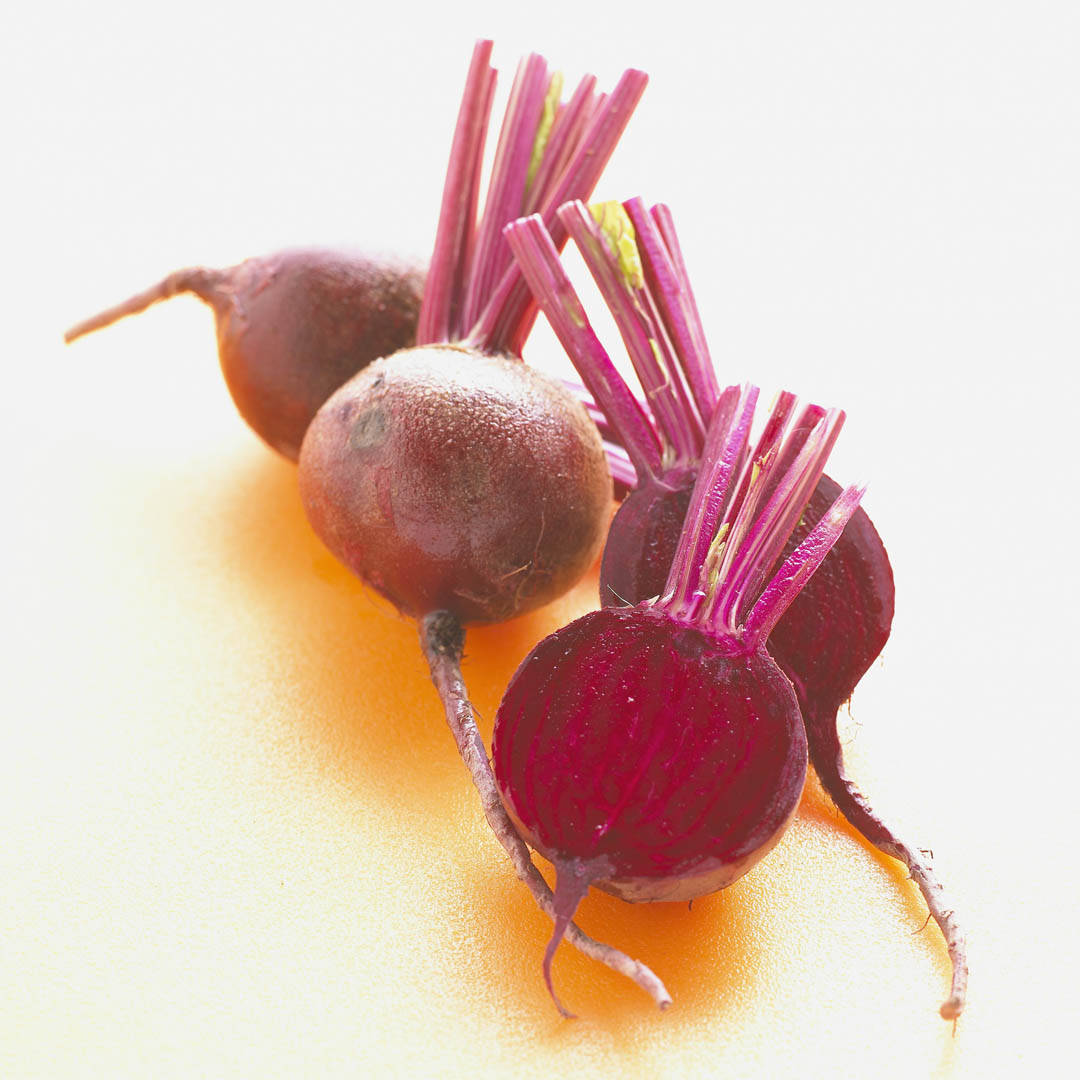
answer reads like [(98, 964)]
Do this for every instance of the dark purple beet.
[(642, 540), (826, 641), (292, 327)]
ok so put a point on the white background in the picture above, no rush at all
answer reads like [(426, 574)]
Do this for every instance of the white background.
[(879, 209)]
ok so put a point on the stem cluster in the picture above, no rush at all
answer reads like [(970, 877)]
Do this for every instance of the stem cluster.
[(549, 152)]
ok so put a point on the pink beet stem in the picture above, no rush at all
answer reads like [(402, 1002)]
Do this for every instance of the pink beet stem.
[(750, 483), (692, 427), (644, 339), (676, 308), (538, 259), (757, 535), (725, 447), (201, 281), (780, 481), (775, 425), (453, 239), (572, 122), (702, 379), (506, 188), (442, 639), (797, 568), (605, 128), (511, 310)]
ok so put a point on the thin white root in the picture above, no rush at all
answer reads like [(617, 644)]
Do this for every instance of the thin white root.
[(922, 873)]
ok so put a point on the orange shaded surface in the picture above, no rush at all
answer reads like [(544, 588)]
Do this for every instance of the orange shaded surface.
[(244, 841)]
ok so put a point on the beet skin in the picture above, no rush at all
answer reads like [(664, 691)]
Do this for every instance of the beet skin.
[(292, 327)]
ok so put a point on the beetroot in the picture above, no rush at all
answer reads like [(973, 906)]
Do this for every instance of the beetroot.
[(292, 327), (838, 625), (450, 477), (657, 751), (454, 481)]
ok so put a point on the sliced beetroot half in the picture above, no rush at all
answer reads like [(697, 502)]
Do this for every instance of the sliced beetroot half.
[(657, 751)]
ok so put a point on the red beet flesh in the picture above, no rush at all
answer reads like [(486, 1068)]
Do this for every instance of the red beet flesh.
[(675, 764), (292, 327), (451, 480)]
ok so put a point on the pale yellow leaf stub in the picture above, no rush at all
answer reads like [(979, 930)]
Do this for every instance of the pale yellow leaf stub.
[(618, 230)]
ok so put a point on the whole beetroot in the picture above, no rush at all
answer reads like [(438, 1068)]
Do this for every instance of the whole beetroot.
[(453, 480), (292, 327), (459, 483)]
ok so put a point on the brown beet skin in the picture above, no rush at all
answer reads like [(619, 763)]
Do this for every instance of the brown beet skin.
[(294, 326), (452, 480), (291, 328)]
